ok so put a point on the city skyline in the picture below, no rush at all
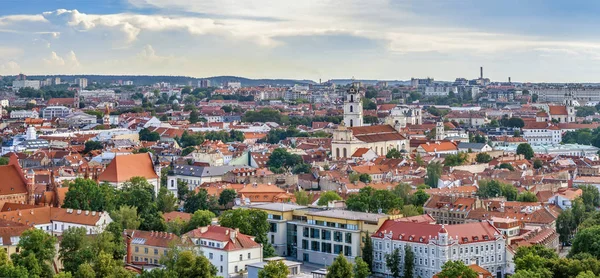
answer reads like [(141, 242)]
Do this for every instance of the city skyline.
[(537, 41)]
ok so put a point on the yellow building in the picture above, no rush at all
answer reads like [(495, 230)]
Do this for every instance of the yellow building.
[(148, 247)]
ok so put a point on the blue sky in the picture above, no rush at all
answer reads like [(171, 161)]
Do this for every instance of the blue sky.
[(534, 40)]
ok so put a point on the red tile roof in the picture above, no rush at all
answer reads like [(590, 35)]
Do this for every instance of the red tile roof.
[(558, 110), (422, 232), (124, 167), (234, 240), (376, 133), (439, 146), (12, 181)]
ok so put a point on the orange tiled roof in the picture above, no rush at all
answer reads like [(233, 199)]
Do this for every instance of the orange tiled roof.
[(124, 167), (439, 146)]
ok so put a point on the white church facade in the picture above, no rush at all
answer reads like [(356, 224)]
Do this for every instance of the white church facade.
[(351, 134)]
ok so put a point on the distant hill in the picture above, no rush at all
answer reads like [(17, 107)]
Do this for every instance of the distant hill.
[(181, 80)]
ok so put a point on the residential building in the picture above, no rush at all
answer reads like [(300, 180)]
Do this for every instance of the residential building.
[(194, 176), (51, 112), (540, 133), (474, 147), (564, 197), (438, 148), (81, 82), (15, 186), (148, 246), (439, 90), (18, 84), (279, 215), (434, 245), (10, 234), (450, 209), (227, 249), (4, 103)]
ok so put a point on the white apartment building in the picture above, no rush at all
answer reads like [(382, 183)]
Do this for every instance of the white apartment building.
[(4, 103), (541, 133), (18, 84), (434, 245), (97, 94), (227, 249), (23, 114), (81, 82), (440, 90), (55, 112), (194, 176)]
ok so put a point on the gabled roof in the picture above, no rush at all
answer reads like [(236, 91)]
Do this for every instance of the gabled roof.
[(558, 110), (158, 239), (423, 232), (234, 240), (12, 180), (124, 167), (439, 146)]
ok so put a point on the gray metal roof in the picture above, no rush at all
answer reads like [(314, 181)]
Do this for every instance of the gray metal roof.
[(201, 171), (349, 215), (474, 146)]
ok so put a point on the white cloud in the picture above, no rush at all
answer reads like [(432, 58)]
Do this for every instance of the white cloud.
[(68, 62), (10, 67)]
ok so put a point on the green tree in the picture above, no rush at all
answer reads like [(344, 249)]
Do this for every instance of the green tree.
[(37, 252), (281, 158), (515, 122), (506, 166), (364, 177), (340, 268), (92, 145), (526, 150), (455, 159), (302, 198), (483, 158), (419, 160), (3, 160), (86, 194), (177, 226), (409, 261), (367, 251), (393, 153), (166, 200), (200, 218), (274, 269), (147, 135), (127, 217), (361, 268), (590, 197), (74, 249), (411, 210), (138, 191), (227, 196), (527, 197), (537, 164), (565, 224), (371, 200), (199, 201), (455, 269), (194, 116), (585, 241), (419, 198), (182, 190), (327, 197), (250, 222), (392, 262), (494, 188), (434, 172)]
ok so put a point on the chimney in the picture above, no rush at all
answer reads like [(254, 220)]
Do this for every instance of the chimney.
[(481, 72), (129, 255)]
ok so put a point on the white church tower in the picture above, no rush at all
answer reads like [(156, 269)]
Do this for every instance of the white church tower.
[(440, 132), (353, 109)]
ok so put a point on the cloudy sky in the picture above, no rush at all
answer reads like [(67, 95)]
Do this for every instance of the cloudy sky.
[(533, 40)]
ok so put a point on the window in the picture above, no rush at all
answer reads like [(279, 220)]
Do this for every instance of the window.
[(337, 249), (326, 235), (347, 251), (155, 251), (337, 236), (305, 232), (241, 257), (273, 228), (145, 250), (210, 256), (236, 268), (314, 246), (137, 249), (248, 256), (221, 270), (326, 247), (221, 260), (348, 238)]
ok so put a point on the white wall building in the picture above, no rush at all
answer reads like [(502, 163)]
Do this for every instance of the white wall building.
[(227, 249), (18, 84), (434, 245), (542, 133)]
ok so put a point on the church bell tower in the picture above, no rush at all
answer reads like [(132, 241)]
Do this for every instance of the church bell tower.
[(353, 109)]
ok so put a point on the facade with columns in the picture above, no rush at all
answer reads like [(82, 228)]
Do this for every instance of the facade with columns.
[(433, 245)]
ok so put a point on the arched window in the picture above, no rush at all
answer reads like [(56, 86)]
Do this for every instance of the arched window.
[(351, 108), (351, 123), (351, 98), (345, 154), (337, 152)]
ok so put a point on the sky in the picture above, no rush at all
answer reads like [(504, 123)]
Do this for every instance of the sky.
[(530, 41)]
